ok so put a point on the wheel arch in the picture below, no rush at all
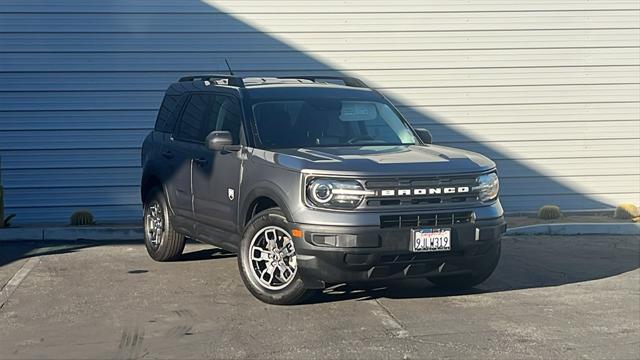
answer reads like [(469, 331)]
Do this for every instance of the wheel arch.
[(262, 198), (152, 176), (148, 182)]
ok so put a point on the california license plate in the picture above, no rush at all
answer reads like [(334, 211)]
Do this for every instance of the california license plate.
[(430, 239)]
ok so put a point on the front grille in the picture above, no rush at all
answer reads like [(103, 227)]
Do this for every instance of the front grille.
[(378, 200), (417, 220)]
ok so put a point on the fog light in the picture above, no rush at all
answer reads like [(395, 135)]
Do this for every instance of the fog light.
[(324, 240), (341, 240)]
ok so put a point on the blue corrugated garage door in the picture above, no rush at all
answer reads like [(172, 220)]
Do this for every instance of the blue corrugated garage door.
[(550, 89)]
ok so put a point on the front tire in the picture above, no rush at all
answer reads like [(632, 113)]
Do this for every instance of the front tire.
[(163, 243), (267, 260), (467, 281)]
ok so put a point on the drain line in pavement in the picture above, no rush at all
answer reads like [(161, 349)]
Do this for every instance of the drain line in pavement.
[(389, 321), (16, 279)]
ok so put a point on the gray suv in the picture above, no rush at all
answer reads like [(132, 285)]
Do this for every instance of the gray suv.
[(313, 181)]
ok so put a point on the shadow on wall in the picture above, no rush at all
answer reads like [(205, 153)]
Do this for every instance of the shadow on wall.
[(126, 54), (237, 41)]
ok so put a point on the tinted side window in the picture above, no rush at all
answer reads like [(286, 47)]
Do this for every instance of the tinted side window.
[(167, 114), (225, 115), (191, 123)]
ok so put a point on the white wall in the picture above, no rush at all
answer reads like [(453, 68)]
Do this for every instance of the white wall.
[(549, 89)]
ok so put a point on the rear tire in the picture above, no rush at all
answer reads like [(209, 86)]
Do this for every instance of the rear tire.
[(467, 281), (266, 260), (163, 243)]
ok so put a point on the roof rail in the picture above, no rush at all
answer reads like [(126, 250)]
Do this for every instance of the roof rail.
[(348, 80), (232, 80)]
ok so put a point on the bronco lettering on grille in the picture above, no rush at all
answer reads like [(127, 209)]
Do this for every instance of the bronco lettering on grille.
[(425, 191)]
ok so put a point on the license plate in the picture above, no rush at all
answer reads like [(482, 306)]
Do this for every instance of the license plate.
[(430, 239)]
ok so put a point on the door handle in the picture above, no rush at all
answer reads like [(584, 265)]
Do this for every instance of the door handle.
[(200, 161), (167, 154)]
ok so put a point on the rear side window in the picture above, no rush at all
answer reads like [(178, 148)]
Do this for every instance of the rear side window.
[(167, 114)]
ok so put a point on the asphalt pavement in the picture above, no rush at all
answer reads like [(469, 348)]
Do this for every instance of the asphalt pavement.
[(551, 297)]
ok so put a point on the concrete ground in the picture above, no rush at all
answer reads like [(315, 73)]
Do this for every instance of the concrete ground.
[(551, 297)]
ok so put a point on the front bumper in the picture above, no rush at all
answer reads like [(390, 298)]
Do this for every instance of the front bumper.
[(337, 254)]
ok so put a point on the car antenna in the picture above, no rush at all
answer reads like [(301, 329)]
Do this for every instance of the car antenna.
[(229, 66)]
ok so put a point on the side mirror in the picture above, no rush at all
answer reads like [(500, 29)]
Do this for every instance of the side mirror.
[(424, 135), (218, 140)]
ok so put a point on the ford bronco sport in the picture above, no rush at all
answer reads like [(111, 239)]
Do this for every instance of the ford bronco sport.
[(314, 181)]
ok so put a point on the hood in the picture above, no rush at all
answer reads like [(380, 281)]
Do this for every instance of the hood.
[(378, 160)]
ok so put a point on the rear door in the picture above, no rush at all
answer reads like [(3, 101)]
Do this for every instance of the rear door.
[(165, 151), (186, 141), (216, 174)]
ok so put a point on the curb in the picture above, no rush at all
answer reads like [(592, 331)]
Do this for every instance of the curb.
[(98, 233), (577, 229), (103, 233), (21, 234)]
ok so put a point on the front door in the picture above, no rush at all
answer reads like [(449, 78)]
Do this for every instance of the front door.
[(216, 175)]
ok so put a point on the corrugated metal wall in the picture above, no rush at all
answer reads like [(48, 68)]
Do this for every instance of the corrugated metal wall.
[(548, 88)]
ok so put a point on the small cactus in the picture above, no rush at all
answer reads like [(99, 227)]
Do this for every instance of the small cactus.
[(81, 217), (626, 211), (549, 212)]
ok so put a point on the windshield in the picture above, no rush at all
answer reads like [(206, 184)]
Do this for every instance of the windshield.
[(328, 122)]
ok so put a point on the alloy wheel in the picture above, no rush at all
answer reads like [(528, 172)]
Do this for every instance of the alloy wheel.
[(154, 224), (273, 258)]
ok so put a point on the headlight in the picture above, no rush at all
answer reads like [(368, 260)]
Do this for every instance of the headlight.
[(487, 186), (336, 194)]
